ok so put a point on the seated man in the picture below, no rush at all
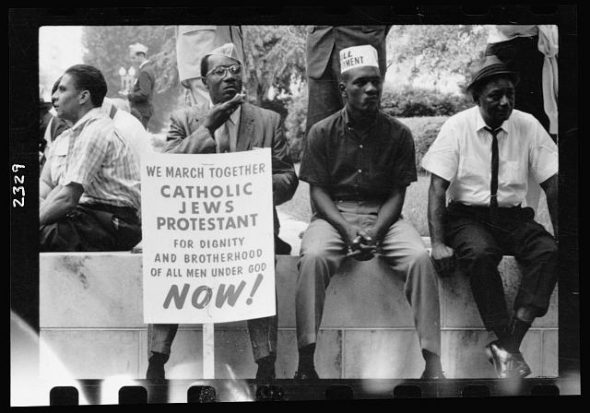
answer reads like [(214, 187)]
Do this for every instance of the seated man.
[(89, 186), (482, 158), (231, 125), (359, 162)]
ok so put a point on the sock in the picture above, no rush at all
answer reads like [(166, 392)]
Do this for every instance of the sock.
[(158, 358), (266, 365), (502, 334), (516, 331), (306, 354), (432, 361)]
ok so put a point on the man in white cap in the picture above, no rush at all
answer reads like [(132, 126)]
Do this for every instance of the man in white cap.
[(481, 160), (323, 46), (359, 162), (230, 125), (140, 97)]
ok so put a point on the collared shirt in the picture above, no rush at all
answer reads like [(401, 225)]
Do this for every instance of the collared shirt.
[(94, 155), (129, 128), (145, 62), (461, 154), (232, 124), (355, 168)]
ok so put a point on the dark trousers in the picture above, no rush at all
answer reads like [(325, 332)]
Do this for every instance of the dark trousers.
[(96, 227), (145, 120), (324, 97), (262, 331), (480, 241), (522, 55)]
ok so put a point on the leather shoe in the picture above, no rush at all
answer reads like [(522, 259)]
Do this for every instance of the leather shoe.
[(307, 374), (519, 367), (499, 358), (507, 365), (433, 375)]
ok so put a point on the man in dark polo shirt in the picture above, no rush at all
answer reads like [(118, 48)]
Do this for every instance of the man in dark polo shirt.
[(359, 162)]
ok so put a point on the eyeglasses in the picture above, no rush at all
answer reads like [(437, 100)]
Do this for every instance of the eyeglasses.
[(221, 71)]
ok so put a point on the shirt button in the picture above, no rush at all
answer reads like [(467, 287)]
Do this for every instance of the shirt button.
[(360, 171), (361, 146)]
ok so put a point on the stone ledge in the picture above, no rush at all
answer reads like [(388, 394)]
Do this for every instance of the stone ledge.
[(105, 290)]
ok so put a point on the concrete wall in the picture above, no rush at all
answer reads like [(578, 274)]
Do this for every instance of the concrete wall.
[(91, 318)]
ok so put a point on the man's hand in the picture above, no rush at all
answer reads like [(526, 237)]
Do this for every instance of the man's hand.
[(361, 246), (124, 94), (220, 113), (444, 259)]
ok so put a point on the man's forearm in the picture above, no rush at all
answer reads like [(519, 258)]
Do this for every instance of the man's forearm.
[(326, 207), (389, 213), (57, 205), (437, 210), (550, 187), (284, 185), (200, 141), (51, 212)]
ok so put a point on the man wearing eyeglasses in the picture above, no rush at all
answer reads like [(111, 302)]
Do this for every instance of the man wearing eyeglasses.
[(231, 125)]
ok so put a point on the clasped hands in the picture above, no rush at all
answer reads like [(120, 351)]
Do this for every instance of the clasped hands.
[(361, 245)]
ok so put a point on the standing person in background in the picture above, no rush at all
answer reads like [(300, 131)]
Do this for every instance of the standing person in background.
[(52, 126), (531, 51), (140, 97), (194, 42), (324, 44)]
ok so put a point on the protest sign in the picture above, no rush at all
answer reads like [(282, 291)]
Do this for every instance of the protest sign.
[(208, 245)]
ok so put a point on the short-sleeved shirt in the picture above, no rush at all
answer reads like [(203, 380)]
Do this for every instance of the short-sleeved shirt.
[(355, 168), (462, 155), (95, 156)]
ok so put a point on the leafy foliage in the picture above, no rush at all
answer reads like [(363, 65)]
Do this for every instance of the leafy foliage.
[(424, 131), (439, 50), (410, 102), (107, 48), (295, 123), (275, 57)]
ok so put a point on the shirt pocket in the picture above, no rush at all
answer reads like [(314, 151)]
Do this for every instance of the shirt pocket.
[(474, 168), (58, 163), (512, 172)]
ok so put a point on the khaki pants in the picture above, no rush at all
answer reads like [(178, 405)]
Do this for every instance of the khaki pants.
[(323, 250)]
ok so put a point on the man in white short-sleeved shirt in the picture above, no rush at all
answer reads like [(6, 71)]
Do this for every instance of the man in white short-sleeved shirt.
[(481, 161)]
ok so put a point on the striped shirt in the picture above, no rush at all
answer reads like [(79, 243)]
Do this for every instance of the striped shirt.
[(100, 160)]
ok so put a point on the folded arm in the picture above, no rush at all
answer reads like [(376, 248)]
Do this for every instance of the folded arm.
[(59, 202)]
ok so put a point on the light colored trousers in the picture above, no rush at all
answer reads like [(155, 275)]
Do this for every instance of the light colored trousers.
[(323, 250)]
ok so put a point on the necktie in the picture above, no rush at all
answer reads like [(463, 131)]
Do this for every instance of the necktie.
[(222, 137), (495, 166)]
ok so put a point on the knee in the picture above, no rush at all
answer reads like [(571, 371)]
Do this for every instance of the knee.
[(419, 257), (481, 254), (547, 251), (313, 256)]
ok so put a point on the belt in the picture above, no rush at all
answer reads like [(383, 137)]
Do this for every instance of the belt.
[(124, 212)]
